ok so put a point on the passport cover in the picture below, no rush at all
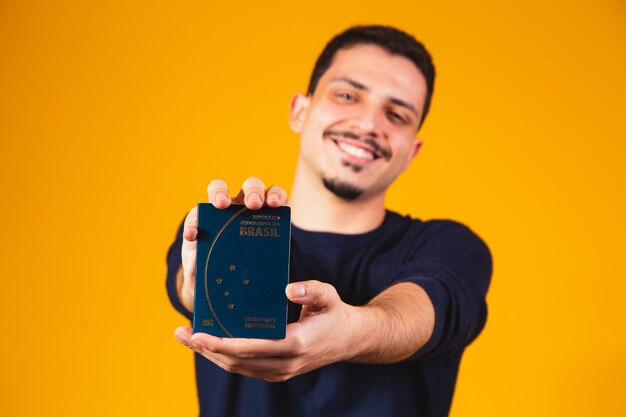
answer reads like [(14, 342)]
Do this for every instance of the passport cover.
[(242, 268)]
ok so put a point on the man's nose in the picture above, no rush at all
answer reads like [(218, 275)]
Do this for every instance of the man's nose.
[(369, 121)]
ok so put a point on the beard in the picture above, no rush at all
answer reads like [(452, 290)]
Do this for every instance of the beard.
[(342, 190)]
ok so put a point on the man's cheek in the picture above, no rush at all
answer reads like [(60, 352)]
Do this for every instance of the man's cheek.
[(333, 115)]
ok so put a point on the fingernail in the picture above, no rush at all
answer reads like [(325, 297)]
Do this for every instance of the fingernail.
[(299, 291), (220, 196), (272, 197), (254, 197), (178, 335)]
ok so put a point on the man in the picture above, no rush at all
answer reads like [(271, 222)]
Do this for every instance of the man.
[(382, 305)]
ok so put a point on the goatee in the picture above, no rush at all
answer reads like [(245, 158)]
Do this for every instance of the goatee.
[(342, 190)]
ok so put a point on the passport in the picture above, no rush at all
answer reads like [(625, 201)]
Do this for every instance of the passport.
[(242, 269)]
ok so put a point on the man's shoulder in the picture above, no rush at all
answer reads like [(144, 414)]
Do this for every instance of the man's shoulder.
[(440, 234), (431, 226)]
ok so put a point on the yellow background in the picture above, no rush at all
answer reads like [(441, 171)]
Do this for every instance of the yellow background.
[(114, 116)]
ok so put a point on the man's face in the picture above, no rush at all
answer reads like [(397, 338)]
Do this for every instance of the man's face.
[(358, 128)]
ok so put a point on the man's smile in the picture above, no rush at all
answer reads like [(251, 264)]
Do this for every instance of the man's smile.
[(364, 149), (355, 151)]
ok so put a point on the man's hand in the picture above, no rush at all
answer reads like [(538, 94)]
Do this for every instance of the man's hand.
[(390, 328), (253, 194), (321, 336)]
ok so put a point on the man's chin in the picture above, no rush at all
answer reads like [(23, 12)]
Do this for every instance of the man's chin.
[(343, 190)]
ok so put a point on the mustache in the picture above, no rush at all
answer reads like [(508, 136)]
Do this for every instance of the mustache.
[(378, 149)]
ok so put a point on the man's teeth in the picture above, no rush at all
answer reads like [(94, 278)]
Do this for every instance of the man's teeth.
[(355, 151)]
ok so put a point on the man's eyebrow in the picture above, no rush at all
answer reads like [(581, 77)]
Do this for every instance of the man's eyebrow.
[(350, 81), (392, 100)]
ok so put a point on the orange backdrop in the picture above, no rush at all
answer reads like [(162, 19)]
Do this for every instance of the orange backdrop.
[(114, 116)]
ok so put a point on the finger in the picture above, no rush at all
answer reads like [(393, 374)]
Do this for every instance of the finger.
[(183, 335), (242, 348), (253, 193), (190, 229), (270, 369), (315, 294), (188, 251), (190, 234), (218, 194), (275, 196)]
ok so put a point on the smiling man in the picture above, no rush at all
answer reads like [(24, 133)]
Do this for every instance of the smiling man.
[(383, 305)]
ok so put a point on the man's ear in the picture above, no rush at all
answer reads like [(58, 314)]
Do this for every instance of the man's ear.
[(416, 146), (297, 111)]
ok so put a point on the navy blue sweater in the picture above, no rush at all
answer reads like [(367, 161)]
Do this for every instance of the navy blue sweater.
[(447, 259)]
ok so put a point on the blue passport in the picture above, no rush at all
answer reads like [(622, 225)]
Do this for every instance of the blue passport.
[(242, 269)]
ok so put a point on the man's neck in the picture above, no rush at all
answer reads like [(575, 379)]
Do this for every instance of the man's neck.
[(315, 208)]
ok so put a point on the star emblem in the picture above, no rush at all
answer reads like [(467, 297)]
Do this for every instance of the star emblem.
[(226, 293), (218, 281), (231, 306), (246, 281), (232, 267)]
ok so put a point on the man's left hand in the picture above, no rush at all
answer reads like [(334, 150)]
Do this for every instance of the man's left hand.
[(322, 335)]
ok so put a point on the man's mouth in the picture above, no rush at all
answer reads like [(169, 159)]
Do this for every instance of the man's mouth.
[(366, 149), (355, 151)]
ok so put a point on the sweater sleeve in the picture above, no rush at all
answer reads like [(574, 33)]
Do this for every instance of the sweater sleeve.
[(453, 265), (174, 261)]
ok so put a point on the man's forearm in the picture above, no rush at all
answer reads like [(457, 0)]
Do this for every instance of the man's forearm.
[(393, 326)]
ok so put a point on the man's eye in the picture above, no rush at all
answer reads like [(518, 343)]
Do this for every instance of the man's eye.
[(396, 117), (346, 96)]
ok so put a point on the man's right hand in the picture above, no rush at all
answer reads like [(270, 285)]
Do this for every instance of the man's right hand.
[(253, 194)]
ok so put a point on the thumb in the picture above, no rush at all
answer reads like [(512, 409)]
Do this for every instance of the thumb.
[(188, 251), (316, 294)]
